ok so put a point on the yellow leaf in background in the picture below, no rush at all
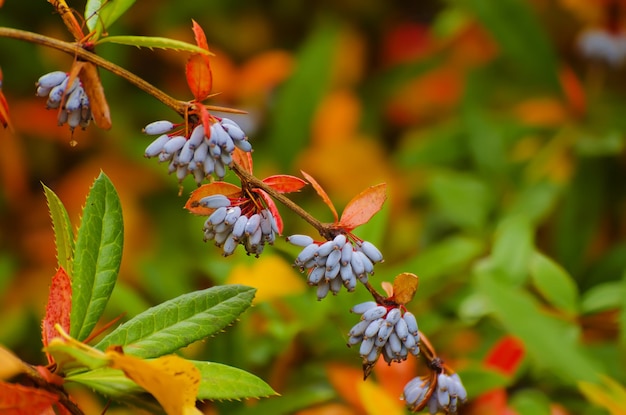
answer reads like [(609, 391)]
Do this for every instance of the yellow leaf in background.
[(610, 395), (172, 380), (271, 275), (378, 401), (548, 112), (10, 365), (404, 287)]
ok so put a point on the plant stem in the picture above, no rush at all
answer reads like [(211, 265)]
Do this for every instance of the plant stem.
[(76, 50), (253, 181)]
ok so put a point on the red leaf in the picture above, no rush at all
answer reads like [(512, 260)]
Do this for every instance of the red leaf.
[(4, 108), (243, 159), (205, 118), (363, 206), (198, 68), (506, 355), (23, 400), (199, 35), (285, 183), (221, 188), (271, 205), (322, 194), (199, 76), (58, 308)]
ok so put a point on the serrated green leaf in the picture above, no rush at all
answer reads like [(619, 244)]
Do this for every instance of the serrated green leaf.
[(290, 128), (63, 234), (181, 321), (550, 341), (101, 14), (97, 256), (226, 382), (554, 283), (520, 35), (154, 42)]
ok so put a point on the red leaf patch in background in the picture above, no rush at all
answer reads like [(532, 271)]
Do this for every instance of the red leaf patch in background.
[(363, 206), (506, 355)]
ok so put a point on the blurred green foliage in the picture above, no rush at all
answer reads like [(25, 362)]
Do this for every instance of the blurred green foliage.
[(503, 148)]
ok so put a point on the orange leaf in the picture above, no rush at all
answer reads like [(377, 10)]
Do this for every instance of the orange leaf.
[(320, 191), (58, 308), (199, 76), (23, 400), (172, 380), (97, 101), (271, 205), (345, 379), (285, 183), (404, 287), (4, 106), (363, 206), (378, 401), (506, 355), (244, 159), (215, 188)]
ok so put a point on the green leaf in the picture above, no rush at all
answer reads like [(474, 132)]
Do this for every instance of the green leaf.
[(101, 14), (622, 314), (550, 341), (154, 42), (478, 380), (444, 258), (513, 248), (226, 382), (602, 297), (97, 257), (554, 283), (69, 356), (290, 127), (531, 402), (461, 198), (181, 321), (521, 37), (63, 234)]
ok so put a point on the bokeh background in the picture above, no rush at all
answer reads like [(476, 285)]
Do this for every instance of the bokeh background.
[(498, 125)]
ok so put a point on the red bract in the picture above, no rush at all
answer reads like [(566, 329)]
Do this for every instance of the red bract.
[(58, 308), (4, 107), (506, 355), (198, 68)]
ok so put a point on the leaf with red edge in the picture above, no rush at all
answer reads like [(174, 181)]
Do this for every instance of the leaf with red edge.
[(215, 188), (243, 159), (285, 183), (58, 308), (506, 355), (320, 191), (17, 399), (363, 206), (271, 205)]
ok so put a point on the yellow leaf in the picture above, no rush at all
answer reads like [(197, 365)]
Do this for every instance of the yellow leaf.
[(172, 380), (610, 395), (10, 365), (377, 401), (404, 287), (271, 275)]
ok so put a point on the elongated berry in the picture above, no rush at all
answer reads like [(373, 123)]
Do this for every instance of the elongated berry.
[(233, 130), (51, 79), (322, 289), (232, 215), (218, 216), (411, 323), (253, 224), (316, 275), (240, 226), (158, 127), (359, 328), (174, 144), (214, 201), (366, 346), (326, 248), (307, 253), (374, 313), (197, 136), (393, 316), (346, 254), (363, 307), (244, 145), (373, 328), (371, 251)]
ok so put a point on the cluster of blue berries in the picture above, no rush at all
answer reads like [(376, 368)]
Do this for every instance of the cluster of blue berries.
[(448, 394), (72, 99), (196, 153)]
